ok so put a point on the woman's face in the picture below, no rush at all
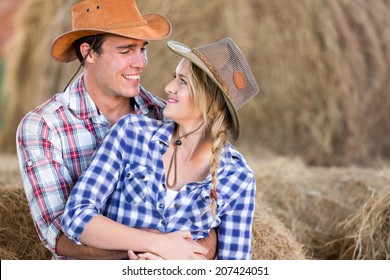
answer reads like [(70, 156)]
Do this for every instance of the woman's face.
[(180, 103)]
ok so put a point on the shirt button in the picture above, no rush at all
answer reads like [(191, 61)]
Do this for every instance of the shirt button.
[(188, 188), (163, 222), (160, 205), (176, 205), (29, 163)]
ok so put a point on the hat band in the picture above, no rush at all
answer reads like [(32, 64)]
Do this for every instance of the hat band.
[(118, 25), (212, 69)]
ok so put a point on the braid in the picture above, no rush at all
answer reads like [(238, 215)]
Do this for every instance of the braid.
[(216, 117), (220, 140)]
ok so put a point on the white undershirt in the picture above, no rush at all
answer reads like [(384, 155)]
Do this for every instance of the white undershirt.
[(170, 197)]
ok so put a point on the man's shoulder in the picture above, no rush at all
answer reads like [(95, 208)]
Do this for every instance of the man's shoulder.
[(45, 111), (51, 105)]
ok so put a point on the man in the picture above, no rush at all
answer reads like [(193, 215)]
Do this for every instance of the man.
[(56, 141)]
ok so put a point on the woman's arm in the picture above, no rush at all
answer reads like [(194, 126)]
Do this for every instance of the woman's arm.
[(210, 243), (102, 232), (83, 222)]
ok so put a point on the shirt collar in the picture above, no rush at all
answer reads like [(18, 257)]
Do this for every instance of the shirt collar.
[(164, 133), (146, 102), (79, 100)]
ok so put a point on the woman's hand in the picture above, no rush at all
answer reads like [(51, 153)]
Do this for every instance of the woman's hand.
[(172, 246), (143, 256), (178, 246)]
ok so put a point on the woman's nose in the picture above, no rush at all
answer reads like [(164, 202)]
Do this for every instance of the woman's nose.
[(170, 88)]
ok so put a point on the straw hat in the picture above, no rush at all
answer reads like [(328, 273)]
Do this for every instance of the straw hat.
[(119, 17), (225, 64)]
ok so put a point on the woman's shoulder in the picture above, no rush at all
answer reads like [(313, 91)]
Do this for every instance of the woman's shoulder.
[(235, 164), (234, 156)]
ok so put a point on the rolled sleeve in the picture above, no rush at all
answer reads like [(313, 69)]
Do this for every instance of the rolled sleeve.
[(45, 179)]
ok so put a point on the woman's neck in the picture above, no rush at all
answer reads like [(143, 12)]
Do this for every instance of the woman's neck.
[(193, 140), (188, 156)]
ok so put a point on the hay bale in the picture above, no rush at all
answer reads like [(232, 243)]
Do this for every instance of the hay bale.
[(9, 171), (367, 232), (31, 76), (323, 67), (311, 201), (7, 255), (18, 238), (272, 240), (324, 71)]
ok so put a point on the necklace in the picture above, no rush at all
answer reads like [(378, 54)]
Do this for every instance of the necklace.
[(173, 161)]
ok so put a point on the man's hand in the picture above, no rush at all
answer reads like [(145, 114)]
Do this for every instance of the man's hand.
[(211, 243)]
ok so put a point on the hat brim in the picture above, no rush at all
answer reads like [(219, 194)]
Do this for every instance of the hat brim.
[(157, 28), (185, 52)]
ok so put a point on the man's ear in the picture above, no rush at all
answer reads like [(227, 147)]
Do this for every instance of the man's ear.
[(86, 52)]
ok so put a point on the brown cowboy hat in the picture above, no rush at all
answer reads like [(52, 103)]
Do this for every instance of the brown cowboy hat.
[(119, 17), (225, 64)]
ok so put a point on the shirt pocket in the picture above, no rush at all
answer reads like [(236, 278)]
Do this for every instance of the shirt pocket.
[(134, 183), (201, 213)]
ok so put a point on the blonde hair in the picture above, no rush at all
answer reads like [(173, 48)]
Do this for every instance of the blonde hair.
[(208, 97)]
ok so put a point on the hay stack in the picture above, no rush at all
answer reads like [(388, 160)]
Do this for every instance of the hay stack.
[(272, 240), (324, 70), (18, 238), (31, 76), (323, 67), (367, 233), (313, 202)]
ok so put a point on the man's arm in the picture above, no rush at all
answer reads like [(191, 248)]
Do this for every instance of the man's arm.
[(68, 248), (47, 184)]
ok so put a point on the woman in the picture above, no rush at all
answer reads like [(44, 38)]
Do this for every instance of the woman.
[(181, 176)]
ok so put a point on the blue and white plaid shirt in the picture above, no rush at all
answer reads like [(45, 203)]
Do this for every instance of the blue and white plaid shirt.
[(126, 182)]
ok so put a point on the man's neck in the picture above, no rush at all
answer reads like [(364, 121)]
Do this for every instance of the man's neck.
[(114, 108)]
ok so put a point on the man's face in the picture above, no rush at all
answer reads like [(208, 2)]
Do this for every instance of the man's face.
[(116, 72)]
